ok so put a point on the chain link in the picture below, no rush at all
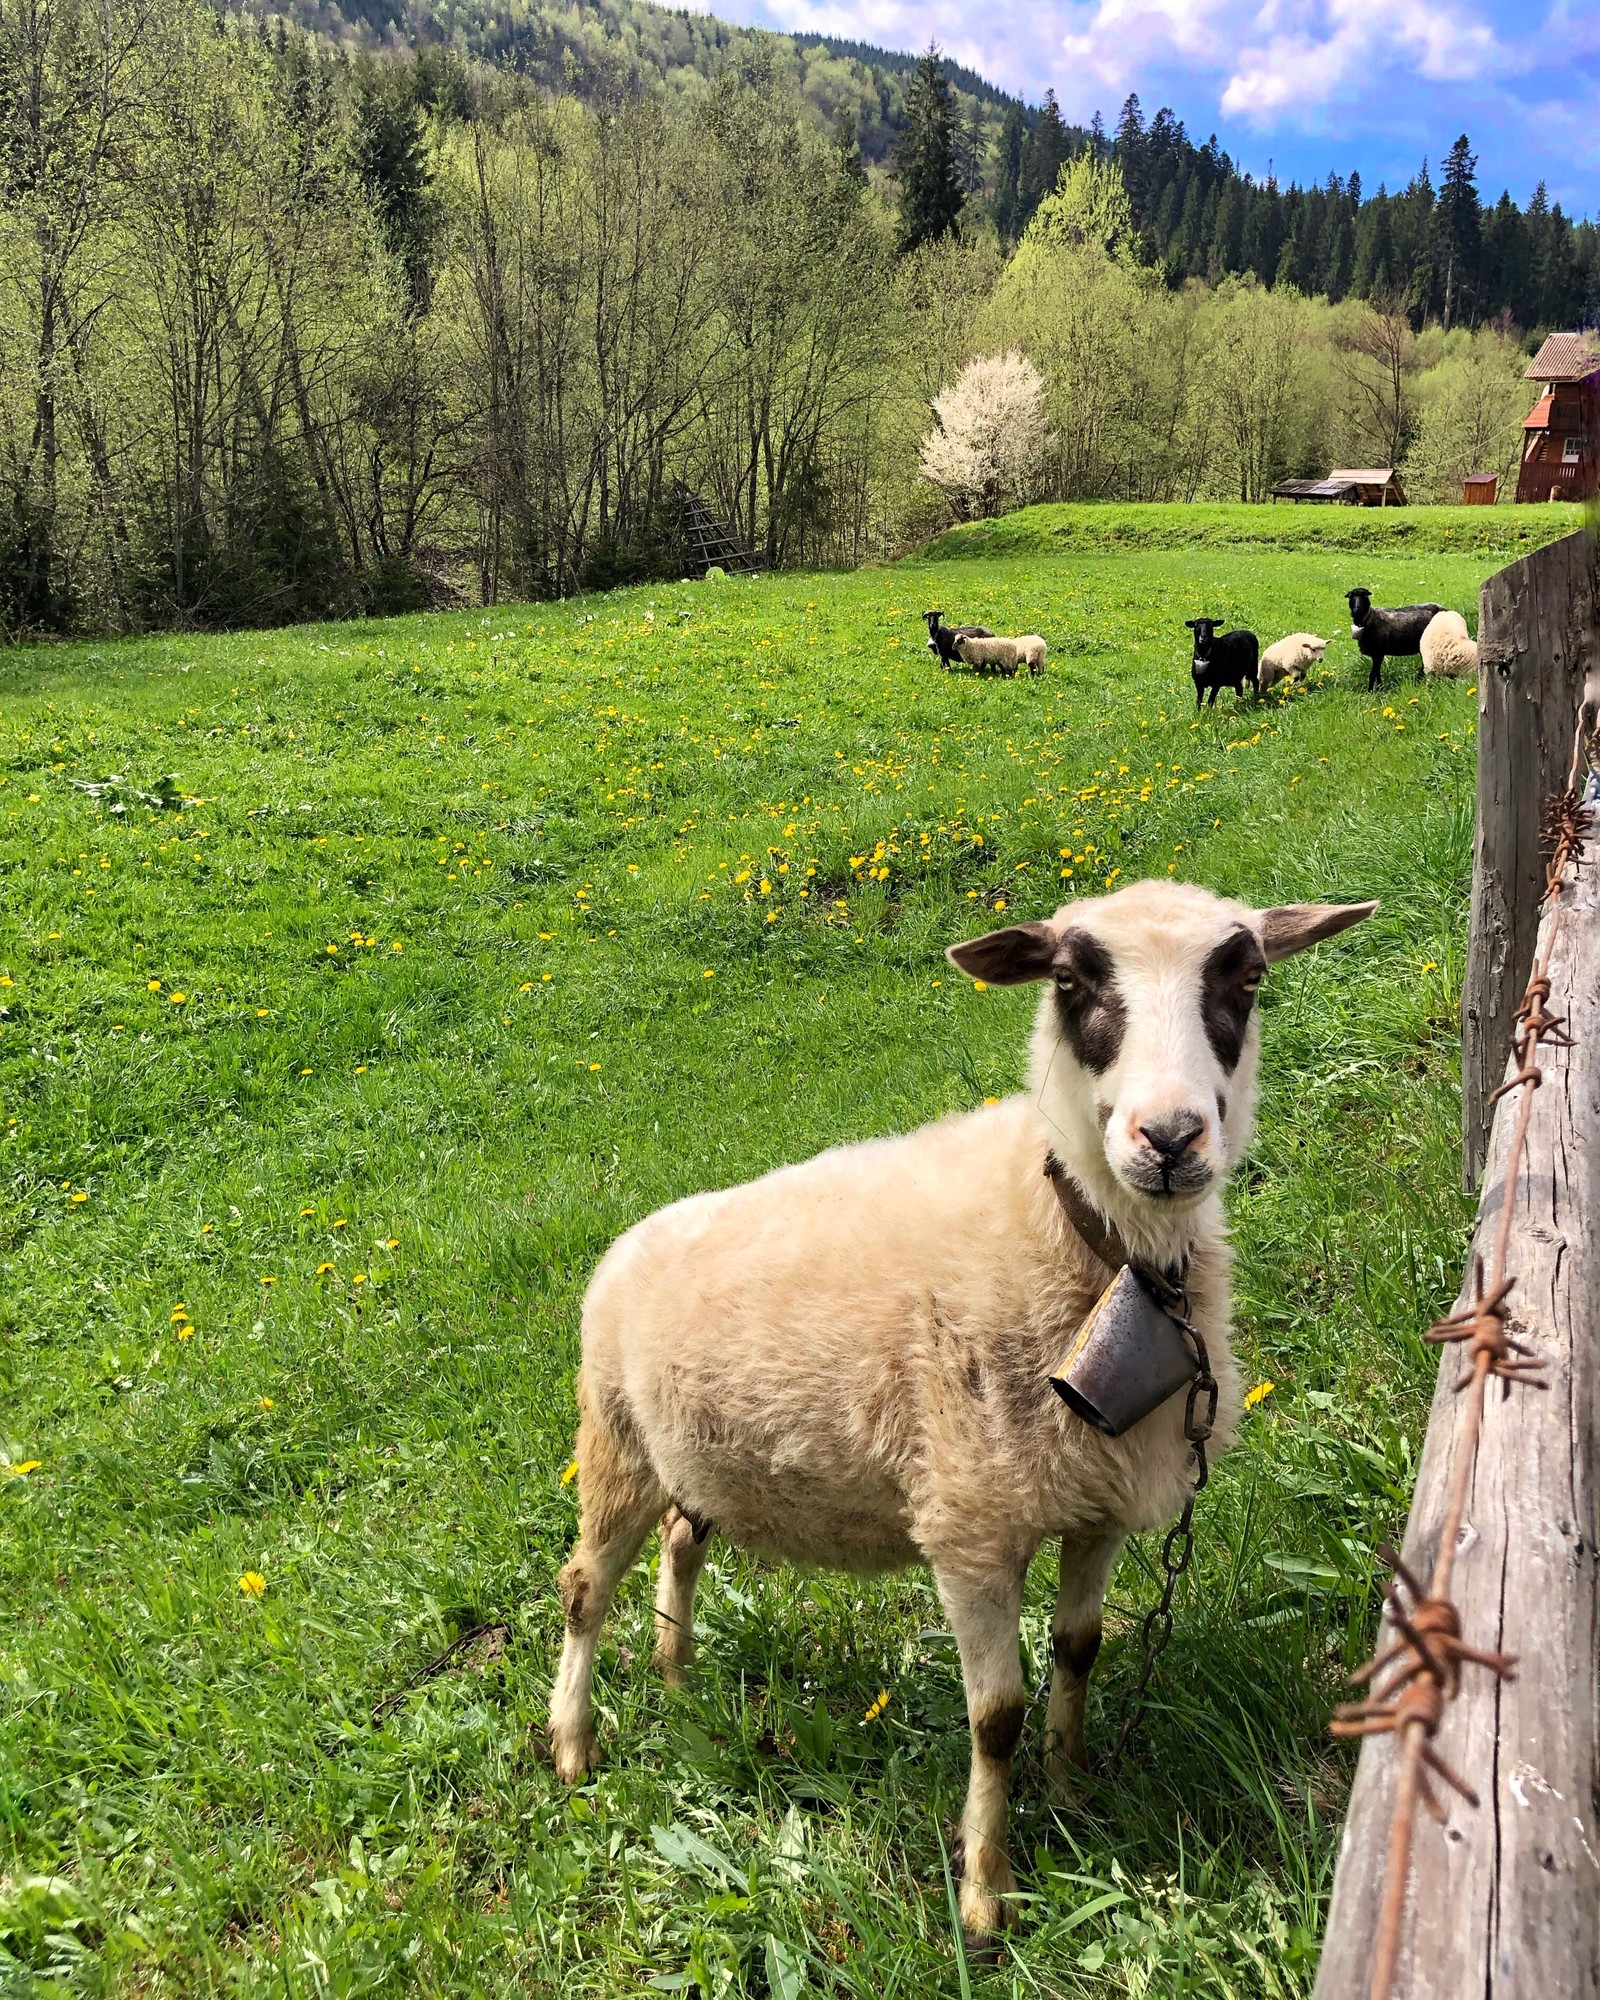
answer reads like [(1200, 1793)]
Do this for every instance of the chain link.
[(1177, 1550)]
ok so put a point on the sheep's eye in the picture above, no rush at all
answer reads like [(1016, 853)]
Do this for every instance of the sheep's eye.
[(1065, 982), (1251, 981)]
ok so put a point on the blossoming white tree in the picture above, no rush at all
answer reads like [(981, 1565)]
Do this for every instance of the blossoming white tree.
[(989, 433)]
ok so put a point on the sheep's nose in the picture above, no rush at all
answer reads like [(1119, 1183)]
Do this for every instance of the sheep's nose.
[(1172, 1137)]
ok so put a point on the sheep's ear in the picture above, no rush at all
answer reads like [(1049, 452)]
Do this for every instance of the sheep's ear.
[(1006, 958), (1292, 926)]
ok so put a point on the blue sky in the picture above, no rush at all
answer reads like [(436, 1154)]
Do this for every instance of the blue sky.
[(1307, 85)]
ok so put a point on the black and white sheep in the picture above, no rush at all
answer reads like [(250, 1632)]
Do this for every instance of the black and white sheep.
[(942, 638), (1223, 660), (1386, 634)]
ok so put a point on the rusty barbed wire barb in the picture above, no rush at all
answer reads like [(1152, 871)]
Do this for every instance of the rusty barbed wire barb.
[(1420, 1672)]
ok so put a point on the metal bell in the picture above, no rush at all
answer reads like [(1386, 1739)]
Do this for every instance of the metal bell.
[(1128, 1357)]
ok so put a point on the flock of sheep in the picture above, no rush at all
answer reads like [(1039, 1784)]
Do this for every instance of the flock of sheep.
[(1235, 659)]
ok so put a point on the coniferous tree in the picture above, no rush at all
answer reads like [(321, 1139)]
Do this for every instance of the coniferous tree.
[(391, 160), (1457, 226), (1008, 173), (970, 149), (1043, 156), (930, 188)]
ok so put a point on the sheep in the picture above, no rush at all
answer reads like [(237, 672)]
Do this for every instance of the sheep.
[(1386, 634), (942, 638), (1446, 646), (1005, 654), (848, 1361), (1222, 659), (1288, 659)]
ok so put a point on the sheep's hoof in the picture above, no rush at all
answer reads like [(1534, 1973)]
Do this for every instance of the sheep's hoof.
[(673, 1669), (575, 1758), (988, 1910)]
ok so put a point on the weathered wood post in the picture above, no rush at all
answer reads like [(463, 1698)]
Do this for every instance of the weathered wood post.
[(1505, 1899), (1537, 639)]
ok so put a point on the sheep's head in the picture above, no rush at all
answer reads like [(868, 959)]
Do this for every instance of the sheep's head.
[(1360, 603), (1145, 1046), (1203, 629)]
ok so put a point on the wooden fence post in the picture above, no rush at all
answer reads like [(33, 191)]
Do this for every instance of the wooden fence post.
[(1504, 1901), (1537, 623)]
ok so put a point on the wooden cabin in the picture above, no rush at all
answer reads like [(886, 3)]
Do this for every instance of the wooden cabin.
[(1376, 486), (1561, 433), (1480, 489)]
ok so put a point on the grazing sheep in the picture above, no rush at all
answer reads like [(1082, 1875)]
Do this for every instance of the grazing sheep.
[(1447, 647), (1222, 659), (1005, 655), (848, 1362), (1288, 659), (942, 638), (1386, 634)]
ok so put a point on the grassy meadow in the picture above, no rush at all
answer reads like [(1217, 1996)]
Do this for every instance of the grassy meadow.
[(461, 942)]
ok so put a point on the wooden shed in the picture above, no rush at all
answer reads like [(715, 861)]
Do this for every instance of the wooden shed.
[(1480, 489), (1376, 485), (1317, 492), (1561, 433)]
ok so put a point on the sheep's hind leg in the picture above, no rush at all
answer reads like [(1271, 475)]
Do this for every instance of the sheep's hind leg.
[(685, 1544), (986, 1617), (1086, 1565), (620, 1500)]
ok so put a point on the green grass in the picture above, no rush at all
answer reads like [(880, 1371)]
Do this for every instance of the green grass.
[(571, 841), (1503, 533)]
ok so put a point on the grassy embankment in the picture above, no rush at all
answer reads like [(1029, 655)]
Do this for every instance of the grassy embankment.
[(476, 938)]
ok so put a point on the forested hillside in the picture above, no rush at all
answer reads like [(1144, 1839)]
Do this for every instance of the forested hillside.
[(291, 327)]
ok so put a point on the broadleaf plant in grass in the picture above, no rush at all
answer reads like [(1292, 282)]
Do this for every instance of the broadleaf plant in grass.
[(496, 932)]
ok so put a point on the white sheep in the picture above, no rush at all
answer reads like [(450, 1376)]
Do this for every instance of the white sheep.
[(848, 1361), (1288, 659), (1447, 648), (1005, 654)]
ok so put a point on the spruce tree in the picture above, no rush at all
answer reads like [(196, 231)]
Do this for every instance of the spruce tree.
[(925, 154), (1008, 173), (391, 161), (1044, 156), (1458, 229)]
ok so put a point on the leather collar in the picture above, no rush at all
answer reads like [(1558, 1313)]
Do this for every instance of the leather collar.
[(1104, 1242)]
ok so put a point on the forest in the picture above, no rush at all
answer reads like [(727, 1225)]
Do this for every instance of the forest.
[(296, 324)]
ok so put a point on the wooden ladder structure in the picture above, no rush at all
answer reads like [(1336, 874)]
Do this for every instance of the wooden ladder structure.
[(709, 542)]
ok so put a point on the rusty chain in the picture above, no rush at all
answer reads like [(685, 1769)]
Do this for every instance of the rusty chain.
[(1410, 1682), (1177, 1550)]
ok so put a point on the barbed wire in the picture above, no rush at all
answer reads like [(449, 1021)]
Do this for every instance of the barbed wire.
[(1410, 1682)]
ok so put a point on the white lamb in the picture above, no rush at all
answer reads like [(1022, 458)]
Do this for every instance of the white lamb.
[(1289, 658), (1447, 648), (1006, 655), (848, 1361)]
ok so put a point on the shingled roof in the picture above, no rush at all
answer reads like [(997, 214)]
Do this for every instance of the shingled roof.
[(1565, 357)]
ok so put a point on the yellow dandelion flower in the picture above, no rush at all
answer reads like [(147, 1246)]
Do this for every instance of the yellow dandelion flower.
[(269, 1281), (154, 986), (177, 999), (323, 1270), (23, 1467), (397, 946), (267, 1403), (252, 1583), (877, 1707), (570, 1474), (180, 1310), (1259, 1394), (184, 1332), (80, 1197), (307, 1211), (980, 986)]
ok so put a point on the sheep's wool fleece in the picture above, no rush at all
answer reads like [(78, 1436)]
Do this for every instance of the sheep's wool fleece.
[(847, 1361), (1447, 648), (1289, 657)]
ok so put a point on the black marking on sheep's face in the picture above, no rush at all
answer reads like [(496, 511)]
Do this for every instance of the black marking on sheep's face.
[(1203, 630), (1091, 1011), (1360, 603), (1228, 982)]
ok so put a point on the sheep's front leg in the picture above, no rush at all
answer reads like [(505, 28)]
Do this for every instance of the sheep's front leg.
[(1086, 1565), (986, 1617)]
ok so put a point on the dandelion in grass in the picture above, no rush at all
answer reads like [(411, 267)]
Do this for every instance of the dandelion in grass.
[(876, 1709), (570, 1474), (154, 986), (177, 999), (1259, 1394), (79, 1197), (252, 1583), (269, 1281), (21, 1468), (305, 1212), (323, 1269), (267, 1403)]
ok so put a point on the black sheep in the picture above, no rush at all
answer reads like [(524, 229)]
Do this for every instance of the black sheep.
[(1223, 660), (942, 638), (1386, 634)]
